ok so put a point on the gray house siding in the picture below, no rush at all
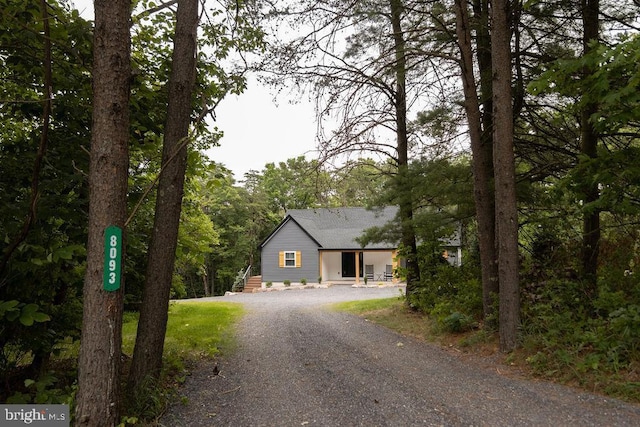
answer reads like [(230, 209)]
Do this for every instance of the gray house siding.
[(292, 238)]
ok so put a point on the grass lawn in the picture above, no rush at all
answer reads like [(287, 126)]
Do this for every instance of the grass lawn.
[(391, 313), (194, 329)]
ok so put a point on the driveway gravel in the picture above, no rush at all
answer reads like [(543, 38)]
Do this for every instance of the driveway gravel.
[(299, 364)]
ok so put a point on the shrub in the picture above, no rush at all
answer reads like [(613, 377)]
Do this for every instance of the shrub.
[(457, 322), (287, 282), (269, 284), (303, 281), (458, 287)]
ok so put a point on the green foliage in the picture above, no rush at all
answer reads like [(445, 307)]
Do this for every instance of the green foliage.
[(194, 330), (238, 283), (438, 209), (26, 314), (452, 295), (357, 183), (613, 84), (287, 283), (42, 280), (457, 322), (566, 340), (242, 219), (46, 390), (294, 184)]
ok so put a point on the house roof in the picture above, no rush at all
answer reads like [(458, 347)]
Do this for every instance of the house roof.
[(338, 228)]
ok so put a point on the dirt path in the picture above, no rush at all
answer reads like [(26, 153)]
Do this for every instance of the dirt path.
[(299, 364)]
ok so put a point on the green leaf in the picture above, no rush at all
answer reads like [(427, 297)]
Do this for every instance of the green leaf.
[(41, 317), (26, 319), (7, 306), (12, 315)]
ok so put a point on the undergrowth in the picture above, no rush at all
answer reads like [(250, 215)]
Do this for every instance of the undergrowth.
[(195, 331), (590, 344)]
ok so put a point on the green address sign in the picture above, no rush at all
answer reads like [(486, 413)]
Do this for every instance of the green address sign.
[(112, 258)]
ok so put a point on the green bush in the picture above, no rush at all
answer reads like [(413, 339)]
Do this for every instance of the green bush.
[(449, 289), (287, 282), (458, 322)]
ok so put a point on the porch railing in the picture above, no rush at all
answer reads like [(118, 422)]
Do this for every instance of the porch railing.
[(241, 280)]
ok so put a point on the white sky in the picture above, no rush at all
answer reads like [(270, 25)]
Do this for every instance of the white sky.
[(257, 129)]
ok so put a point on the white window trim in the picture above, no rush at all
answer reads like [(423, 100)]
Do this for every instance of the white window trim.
[(286, 260)]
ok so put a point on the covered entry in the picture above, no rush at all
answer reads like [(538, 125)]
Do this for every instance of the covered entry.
[(349, 264)]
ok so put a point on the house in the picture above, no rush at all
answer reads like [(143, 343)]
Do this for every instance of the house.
[(321, 243), (313, 244)]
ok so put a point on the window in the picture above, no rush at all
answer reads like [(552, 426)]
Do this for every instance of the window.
[(289, 259)]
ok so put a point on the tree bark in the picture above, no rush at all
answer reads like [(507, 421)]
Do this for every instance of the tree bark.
[(505, 181), (405, 187), (589, 148), (147, 357), (97, 400), (482, 162)]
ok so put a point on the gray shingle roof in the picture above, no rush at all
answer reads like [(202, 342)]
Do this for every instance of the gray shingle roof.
[(337, 228)]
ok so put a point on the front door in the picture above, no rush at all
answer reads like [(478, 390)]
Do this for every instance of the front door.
[(349, 264)]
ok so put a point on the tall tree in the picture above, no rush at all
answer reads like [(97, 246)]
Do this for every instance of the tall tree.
[(589, 149), (98, 397), (505, 177), (147, 357), (404, 186), (481, 144)]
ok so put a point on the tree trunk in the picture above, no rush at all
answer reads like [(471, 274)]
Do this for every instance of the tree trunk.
[(404, 186), (505, 181), (205, 282), (147, 357), (482, 161), (97, 400), (589, 147)]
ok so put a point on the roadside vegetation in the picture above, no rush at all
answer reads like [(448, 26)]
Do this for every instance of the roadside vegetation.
[(196, 331), (595, 355)]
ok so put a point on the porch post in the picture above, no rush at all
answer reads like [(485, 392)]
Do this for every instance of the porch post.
[(320, 266), (357, 267), (394, 264)]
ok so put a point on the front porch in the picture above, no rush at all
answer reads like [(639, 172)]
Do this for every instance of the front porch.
[(357, 267)]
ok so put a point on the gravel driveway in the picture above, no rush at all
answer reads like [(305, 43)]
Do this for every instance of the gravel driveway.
[(299, 364)]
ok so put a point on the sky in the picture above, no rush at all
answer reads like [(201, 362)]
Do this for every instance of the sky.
[(257, 129)]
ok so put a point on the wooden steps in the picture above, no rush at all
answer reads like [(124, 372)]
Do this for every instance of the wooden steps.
[(254, 283)]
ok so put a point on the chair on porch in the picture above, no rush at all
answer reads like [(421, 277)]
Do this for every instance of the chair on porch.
[(388, 273), (368, 271)]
